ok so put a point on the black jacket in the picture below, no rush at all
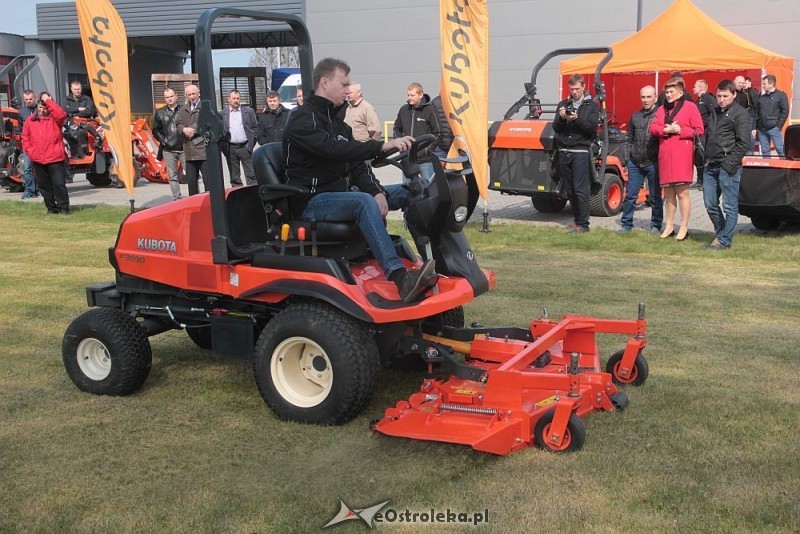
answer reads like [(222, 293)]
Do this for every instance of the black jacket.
[(271, 124), (706, 104), (773, 110), (321, 154), (417, 121), (748, 99), (71, 105), (581, 132), (642, 148), (164, 129), (728, 137)]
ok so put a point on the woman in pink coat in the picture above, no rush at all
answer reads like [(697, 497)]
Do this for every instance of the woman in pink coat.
[(675, 125)]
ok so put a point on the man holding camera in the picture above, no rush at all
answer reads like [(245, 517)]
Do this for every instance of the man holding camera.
[(576, 127)]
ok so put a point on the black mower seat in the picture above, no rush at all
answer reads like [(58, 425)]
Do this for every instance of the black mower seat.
[(268, 165)]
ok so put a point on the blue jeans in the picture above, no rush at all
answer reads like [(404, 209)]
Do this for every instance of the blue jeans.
[(636, 177), (773, 134), (716, 182), (27, 177), (363, 210)]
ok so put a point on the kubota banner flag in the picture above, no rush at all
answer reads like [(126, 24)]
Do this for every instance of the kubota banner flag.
[(105, 50), (465, 78)]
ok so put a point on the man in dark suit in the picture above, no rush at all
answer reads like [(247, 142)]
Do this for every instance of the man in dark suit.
[(240, 134)]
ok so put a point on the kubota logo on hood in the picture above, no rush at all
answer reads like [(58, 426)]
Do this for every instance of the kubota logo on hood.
[(156, 245)]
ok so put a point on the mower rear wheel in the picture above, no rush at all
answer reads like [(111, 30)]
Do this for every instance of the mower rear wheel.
[(573, 438), (638, 374), (606, 197), (106, 352), (549, 204), (315, 364), (764, 223)]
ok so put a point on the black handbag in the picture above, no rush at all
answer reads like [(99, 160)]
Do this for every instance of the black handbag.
[(699, 151)]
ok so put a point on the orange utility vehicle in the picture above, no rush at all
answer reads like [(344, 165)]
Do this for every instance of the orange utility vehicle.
[(307, 302), (523, 156)]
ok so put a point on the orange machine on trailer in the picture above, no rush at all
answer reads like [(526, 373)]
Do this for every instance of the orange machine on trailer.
[(307, 302)]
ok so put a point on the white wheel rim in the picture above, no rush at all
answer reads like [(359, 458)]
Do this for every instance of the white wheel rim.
[(301, 372), (94, 359)]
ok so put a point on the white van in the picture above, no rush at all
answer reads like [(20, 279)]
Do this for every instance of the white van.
[(288, 91)]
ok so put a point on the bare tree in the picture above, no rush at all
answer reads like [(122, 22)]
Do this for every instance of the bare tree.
[(273, 58)]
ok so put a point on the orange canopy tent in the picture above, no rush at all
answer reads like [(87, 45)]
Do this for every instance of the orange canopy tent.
[(684, 39)]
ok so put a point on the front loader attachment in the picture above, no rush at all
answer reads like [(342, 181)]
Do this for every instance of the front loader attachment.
[(529, 391)]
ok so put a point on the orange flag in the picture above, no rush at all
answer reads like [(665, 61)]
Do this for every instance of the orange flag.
[(465, 78), (105, 50)]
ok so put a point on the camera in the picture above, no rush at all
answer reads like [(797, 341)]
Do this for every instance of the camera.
[(569, 109)]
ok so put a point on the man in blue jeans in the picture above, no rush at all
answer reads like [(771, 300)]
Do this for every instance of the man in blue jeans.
[(642, 149), (773, 110), (727, 142), (322, 155)]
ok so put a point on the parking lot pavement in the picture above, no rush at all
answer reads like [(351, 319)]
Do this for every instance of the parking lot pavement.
[(501, 208)]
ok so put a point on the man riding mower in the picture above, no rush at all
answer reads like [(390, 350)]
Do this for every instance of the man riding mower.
[(309, 304)]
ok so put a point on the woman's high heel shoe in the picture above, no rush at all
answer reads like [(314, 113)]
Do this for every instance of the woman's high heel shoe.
[(682, 238), (664, 236)]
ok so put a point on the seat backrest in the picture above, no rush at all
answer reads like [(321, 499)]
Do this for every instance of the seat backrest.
[(268, 164)]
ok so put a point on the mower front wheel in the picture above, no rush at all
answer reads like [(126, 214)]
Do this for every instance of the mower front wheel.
[(638, 373), (573, 438), (316, 364), (106, 352)]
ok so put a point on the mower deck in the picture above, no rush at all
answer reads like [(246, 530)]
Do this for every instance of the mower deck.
[(529, 392)]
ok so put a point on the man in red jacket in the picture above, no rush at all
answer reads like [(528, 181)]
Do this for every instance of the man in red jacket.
[(43, 143)]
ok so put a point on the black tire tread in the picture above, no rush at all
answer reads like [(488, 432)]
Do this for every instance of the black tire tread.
[(575, 426), (640, 364), (765, 223), (99, 179), (548, 204), (352, 338), (128, 346), (598, 207)]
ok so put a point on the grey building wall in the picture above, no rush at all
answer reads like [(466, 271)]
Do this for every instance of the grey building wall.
[(390, 44)]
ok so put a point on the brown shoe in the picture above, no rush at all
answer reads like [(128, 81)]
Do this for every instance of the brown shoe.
[(417, 281)]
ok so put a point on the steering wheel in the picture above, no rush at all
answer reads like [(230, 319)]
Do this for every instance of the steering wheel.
[(394, 156)]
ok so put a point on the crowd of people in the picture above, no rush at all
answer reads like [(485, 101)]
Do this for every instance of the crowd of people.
[(662, 142), (669, 140)]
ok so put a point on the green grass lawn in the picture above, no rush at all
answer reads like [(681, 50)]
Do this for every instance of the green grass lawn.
[(709, 443)]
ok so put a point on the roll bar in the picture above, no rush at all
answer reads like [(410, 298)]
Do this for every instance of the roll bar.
[(210, 123), (530, 89)]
